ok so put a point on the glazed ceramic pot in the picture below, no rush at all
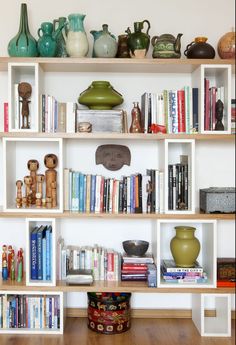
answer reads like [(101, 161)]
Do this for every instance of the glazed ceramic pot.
[(138, 41), (23, 44), (47, 43), (123, 49), (100, 95), (60, 40), (185, 247), (105, 44), (226, 46), (199, 49), (166, 46)]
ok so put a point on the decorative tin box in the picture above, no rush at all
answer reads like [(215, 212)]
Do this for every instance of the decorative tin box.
[(217, 200)]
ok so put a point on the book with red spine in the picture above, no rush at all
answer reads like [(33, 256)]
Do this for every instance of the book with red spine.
[(206, 105), (6, 117), (181, 111)]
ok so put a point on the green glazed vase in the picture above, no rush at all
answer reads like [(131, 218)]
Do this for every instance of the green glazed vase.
[(185, 247), (23, 44), (138, 41), (100, 95)]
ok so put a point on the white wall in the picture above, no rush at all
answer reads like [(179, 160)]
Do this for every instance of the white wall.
[(211, 18)]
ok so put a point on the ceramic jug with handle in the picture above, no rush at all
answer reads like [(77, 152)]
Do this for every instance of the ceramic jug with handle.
[(105, 44), (138, 41), (47, 39), (166, 46)]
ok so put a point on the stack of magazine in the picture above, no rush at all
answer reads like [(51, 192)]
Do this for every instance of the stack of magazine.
[(173, 274)]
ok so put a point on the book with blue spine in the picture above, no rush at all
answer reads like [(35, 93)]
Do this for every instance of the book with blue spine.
[(44, 249), (33, 254), (39, 251), (93, 191), (81, 192), (48, 252)]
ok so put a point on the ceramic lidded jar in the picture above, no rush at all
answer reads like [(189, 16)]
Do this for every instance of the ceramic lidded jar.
[(100, 95), (76, 38), (226, 46), (105, 44), (185, 247), (199, 49)]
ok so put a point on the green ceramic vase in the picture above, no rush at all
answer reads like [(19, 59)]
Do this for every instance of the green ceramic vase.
[(23, 44), (138, 41), (185, 247), (100, 95)]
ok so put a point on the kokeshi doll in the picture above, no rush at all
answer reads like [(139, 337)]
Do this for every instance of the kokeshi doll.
[(9, 259), (28, 183), (24, 202), (39, 182), (18, 202), (33, 166), (19, 185), (54, 194), (50, 162), (49, 202), (38, 200)]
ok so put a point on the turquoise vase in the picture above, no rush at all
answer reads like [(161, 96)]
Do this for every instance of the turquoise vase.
[(23, 44), (105, 44), (60, 41), (47, 43)]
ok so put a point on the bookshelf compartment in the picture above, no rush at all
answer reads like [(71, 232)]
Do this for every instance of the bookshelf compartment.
[(19, 73), (16, 153), (206, 234), (49, 305), (179, 178), (219, 76), (218, 324), (43, 241)]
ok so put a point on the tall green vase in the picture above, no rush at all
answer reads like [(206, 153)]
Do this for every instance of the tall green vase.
[(185, 247), (23, 44)]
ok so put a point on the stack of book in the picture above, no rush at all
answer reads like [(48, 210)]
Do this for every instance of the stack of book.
[(173, 274), (135, 268)]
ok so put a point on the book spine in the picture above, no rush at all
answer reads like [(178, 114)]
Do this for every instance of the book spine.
[(195, 109), (181, 111), (206, 106), (6, 117), (48, 271), (33, 246), (174, 110), (39, 255)]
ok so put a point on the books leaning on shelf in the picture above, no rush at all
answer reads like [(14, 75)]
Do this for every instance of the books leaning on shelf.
[(79, 277), (211, 95), (41, 253), (5, 117), (177, 110), (136, 193), (173, 274), (29, 311)]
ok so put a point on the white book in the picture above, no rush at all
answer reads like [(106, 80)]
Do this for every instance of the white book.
[(160, 110), (98, 193), (153, 108), (128, 194), (70, 117), (63, 264), (17, 115), (111, 195), (145, 188), (174, 186), (66, 189), (161, 187)]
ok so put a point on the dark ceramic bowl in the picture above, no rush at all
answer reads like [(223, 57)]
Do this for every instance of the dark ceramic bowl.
[(135, 247)]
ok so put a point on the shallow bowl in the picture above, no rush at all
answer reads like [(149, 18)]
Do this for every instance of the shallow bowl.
[(135, 247)]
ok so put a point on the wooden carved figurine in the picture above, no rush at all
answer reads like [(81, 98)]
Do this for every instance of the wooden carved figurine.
[(39, 189), (219, 115), (19, 185), (25, 91), (51, 161), (33, 166), (4, 263), (28, 193)]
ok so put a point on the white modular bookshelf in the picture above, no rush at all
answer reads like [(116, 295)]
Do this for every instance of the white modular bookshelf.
[(31, 223), (218, 76), (16, 153), (39, 324), (27, 73), (207, 235)]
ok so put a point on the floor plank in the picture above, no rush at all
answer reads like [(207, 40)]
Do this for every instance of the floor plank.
[(142, 332)]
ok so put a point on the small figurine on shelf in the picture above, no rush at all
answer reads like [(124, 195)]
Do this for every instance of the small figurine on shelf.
[(25, 91), (219, 115), (19, 185), (4, 263), (12, 268), (28, 193), (33, 166), (51, 161), (136, 119), (9, 259), (19, 273)]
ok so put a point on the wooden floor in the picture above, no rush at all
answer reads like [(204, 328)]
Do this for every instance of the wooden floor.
[(142, 332)]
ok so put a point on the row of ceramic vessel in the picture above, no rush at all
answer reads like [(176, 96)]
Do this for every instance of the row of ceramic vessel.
[(64, 38)]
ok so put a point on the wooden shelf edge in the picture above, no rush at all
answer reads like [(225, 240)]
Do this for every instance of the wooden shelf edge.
[(68, 214), (101, 286)]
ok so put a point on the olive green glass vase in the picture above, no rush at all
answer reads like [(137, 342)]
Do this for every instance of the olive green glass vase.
[(184, 246)]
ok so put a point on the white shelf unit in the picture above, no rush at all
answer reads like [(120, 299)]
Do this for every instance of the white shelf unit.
[(34, 294), (16, 153), (219, 76), (18, 73), (31, 223), (218, 325), (206, 234), (174, 148)]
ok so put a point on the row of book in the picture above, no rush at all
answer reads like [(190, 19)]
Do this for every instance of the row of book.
[(233, 116), (177, 110), (66, 116), (32, 312), (178, 187), (211, 95), (41, 253), (136, 193), (185, 275), (105, 263)]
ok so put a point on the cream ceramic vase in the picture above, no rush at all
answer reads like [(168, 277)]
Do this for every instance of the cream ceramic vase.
[(76, 38), (185, 247)]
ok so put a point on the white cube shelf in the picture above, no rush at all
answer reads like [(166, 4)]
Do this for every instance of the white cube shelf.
[(174, 149), (31, 224), (218, 325), (206, 234), (33, 294), (16, 153), (218, 76), (18, 73)]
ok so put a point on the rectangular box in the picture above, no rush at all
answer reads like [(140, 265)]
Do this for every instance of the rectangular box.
[(217, 200)]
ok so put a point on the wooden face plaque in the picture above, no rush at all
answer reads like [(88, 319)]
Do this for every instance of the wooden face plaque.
[(113, 157)]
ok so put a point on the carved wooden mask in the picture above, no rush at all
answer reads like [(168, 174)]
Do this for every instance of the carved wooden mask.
[(113, 157)]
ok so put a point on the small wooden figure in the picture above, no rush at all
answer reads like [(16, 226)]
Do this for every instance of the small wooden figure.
[(39, 182), (4, 263), (12, 267), (54, 194), (219, 112), (25, 91), (38, 200), (9, 259), (28, 183), (33, 166), (49, 202), (43, 202), (24, 202), (19, 185), (50, 161)]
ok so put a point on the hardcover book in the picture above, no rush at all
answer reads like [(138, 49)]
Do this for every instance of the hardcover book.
[(170, 266)]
